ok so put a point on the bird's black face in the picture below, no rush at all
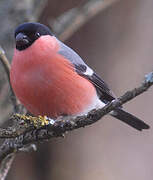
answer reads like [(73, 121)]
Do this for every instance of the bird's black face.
[(27, 33)]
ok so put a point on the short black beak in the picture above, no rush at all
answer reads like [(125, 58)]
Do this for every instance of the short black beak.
[(21, 40)]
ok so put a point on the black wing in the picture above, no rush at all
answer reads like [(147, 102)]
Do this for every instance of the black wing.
[(104, 93), (82, 69)]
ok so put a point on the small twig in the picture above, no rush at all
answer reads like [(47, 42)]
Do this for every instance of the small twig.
[(7, 162), (6, 165), (5, 62), (18, 108), (69, 22), (7, 68)]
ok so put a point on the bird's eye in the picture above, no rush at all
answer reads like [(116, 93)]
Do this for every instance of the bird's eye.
[(37, 34)]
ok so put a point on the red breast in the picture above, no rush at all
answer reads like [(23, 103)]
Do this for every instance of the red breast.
[(46, 83)]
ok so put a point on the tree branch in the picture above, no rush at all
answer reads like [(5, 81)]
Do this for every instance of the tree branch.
[(58, 127), (69, 22)]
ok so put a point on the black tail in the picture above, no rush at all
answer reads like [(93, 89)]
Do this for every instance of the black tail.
[(129, 119)]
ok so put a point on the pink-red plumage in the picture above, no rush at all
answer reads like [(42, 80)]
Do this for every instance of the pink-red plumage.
[(46, 83)]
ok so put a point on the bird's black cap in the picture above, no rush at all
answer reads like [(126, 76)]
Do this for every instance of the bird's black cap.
[(27, 33)]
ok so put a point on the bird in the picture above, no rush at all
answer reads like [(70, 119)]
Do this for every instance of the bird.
[(51, 79)]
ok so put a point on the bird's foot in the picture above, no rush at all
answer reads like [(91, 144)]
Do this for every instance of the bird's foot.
[(37, 122)]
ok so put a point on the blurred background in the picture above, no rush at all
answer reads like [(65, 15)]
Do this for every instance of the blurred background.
[(116, 40)]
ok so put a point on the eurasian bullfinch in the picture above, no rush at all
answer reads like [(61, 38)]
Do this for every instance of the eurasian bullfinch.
[(50, 79)]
